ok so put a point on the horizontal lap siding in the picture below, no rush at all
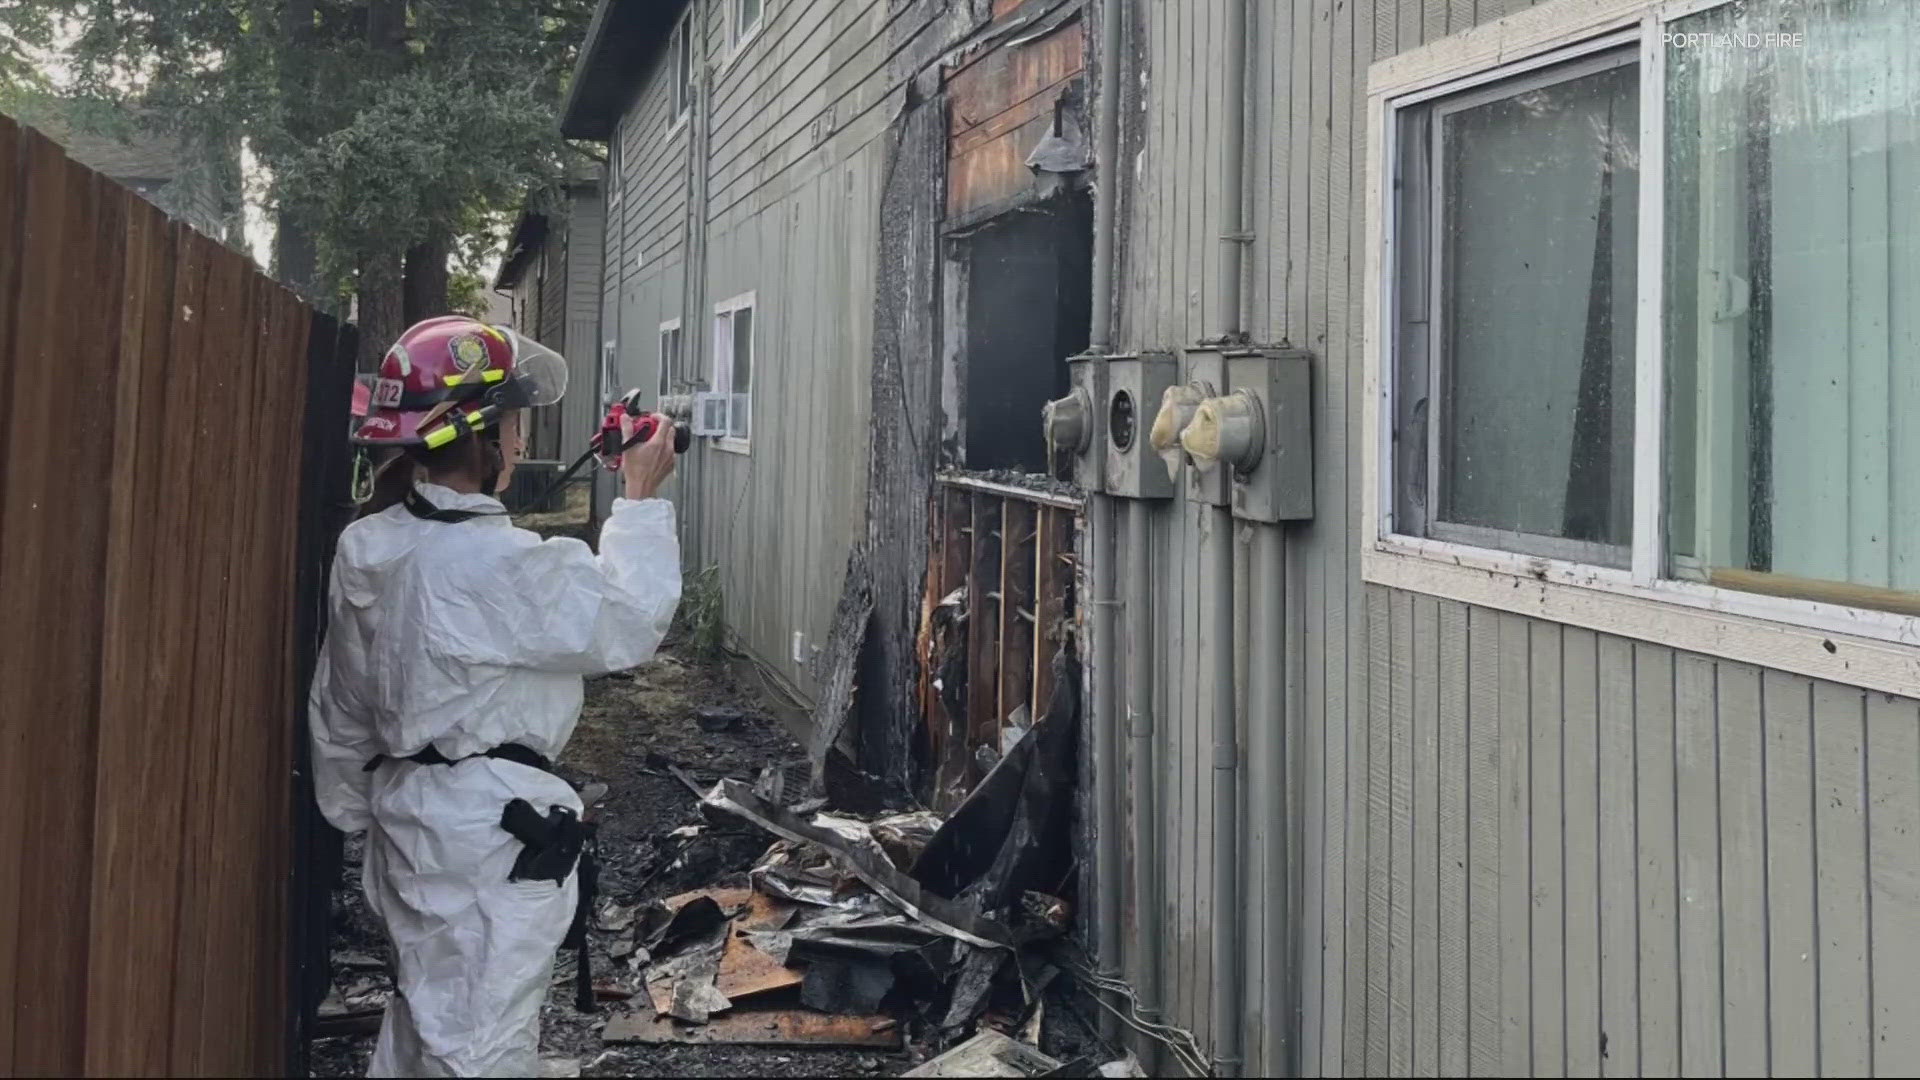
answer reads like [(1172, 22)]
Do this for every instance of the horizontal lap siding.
[(791, 218)]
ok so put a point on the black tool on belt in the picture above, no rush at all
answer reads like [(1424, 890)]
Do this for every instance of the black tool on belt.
[(551, 846)]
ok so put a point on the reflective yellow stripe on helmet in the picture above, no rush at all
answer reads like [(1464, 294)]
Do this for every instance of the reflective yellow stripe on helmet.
[(491, 375)]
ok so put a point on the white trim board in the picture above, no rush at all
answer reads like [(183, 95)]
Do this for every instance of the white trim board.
[(1871, 649), (1853, 661)]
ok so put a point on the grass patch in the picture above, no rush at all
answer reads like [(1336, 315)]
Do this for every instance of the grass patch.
[(702, 617)]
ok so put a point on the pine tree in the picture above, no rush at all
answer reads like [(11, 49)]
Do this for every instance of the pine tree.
[(395, 133)]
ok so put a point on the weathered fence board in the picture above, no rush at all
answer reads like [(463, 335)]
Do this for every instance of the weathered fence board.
[(161, 536)]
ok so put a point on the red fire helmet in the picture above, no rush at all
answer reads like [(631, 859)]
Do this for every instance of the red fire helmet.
[(452, 376)]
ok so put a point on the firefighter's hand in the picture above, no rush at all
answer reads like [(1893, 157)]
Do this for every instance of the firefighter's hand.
[(645, 467)]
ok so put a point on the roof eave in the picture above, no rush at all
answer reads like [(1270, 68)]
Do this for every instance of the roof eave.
[(603, 84)]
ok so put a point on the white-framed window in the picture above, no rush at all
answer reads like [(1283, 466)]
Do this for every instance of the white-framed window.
[(1636, 327), (614, 187), (744, 20), (732, 375), (609, 372), (680, 59), (669, 357)]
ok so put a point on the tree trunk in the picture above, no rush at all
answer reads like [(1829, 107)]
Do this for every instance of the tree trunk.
[(427, 278), (382, 314), (382, 294), (387, 27), (295, 255)]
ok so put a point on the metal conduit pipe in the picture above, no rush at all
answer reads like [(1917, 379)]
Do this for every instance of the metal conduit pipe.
[(1106, 155), (1107, 758), (1229, 922), (1147, 868), (1103, 715), (1267, 705)]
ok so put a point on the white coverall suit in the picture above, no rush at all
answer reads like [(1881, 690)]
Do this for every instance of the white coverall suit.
[(466, 637)]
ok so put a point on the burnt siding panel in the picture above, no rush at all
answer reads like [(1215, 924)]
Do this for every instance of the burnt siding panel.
[(1000, 105)]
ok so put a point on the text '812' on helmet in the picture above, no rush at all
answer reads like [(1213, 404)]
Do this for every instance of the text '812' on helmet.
[(453, 376)]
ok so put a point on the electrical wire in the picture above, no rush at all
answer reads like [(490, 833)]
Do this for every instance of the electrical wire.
[(1177, 1039)]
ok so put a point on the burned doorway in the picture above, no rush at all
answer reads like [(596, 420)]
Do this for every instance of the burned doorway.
[(1028, 295)]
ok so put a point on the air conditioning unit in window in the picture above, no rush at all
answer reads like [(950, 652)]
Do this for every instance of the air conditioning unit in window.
[(709, 413)]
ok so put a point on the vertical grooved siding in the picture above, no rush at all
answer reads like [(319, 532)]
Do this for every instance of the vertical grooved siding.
[(1520, 848)]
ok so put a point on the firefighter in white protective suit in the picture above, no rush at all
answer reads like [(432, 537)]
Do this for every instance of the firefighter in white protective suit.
[(450, 678)]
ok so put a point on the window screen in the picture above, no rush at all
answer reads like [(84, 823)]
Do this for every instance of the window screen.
[(733, 364), (740, 408)]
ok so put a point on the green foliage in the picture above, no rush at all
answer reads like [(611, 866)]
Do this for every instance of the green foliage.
[(701, 620), (26, 31), (382, 123)]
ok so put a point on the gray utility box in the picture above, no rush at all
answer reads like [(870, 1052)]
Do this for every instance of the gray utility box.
[(1135, 385), (1087, 376), (1279, 487), (1207, 373)]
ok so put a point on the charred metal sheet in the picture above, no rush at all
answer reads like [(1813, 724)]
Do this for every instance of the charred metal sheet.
[(867, 862), (744, 970), (1064, 497)]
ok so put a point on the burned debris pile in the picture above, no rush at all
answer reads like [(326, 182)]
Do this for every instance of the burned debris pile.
[(909, 928)]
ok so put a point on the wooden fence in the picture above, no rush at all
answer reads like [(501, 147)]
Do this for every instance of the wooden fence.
[(164, 409)]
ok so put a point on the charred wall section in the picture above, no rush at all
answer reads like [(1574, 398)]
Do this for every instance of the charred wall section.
[(900, 470)]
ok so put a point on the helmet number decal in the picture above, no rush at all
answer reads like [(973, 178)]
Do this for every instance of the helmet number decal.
[(386, 393)]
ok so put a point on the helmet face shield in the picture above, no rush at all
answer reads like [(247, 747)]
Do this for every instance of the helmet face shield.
[(539, 374)]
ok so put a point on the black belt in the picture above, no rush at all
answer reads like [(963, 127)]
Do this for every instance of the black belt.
[(513, 752)]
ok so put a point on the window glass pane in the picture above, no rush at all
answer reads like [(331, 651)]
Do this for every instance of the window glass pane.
[(669, 358), (1535, 237), (722, 352), (738, 415), (742, 350), (749, 15), (683, 67), (1792, 314)]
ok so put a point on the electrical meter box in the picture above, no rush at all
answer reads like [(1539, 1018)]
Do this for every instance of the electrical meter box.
[(1077, 424), (1279, 484), (1135, 385)]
